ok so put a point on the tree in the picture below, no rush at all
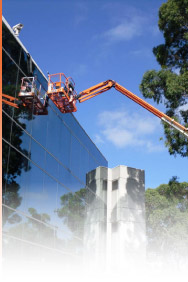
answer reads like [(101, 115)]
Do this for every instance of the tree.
[(167, 218), (170, 84)]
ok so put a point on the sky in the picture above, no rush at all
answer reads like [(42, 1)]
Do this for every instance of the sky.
[(93, 41)]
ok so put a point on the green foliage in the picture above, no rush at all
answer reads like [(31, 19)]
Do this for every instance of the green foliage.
[(167, 217), (170, 84), (72, 211)]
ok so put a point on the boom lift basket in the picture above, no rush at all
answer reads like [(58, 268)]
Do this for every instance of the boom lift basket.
[(30, 96), (61, 92)]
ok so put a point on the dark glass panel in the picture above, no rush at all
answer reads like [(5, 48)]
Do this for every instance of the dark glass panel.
[(26, 64), (6, 177), (9, 78), (20, 139), (15, 179), (53, 129), (6, 127), (10, 44)]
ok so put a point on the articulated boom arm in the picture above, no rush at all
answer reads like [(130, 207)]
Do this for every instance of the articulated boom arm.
[(104, 86), (9, 100)]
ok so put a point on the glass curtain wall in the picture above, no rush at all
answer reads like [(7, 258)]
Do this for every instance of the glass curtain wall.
[(45, 162)]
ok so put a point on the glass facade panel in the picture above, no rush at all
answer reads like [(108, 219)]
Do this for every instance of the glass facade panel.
[(64, 151), (39, 129), (53, 127), (75, 156), (38, 154), (84, 168), (14, 178), (34, 189), (20, 139), (45, 162), (10, 44)]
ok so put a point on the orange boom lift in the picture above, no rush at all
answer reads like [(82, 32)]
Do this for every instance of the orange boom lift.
[(11, 101), (61, 92), (106, 85)]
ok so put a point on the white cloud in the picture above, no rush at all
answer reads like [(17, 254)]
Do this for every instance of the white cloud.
[(154, 30), (79, 70), (82, 13), (146, 52), (126, 30), (98, 139), (125, 129)]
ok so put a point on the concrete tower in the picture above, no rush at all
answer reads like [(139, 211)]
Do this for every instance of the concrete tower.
[(115, 223)]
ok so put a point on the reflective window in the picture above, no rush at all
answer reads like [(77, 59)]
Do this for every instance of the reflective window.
[(34, 192), (37, 154), (10, 44), (65, 146), (44, 200), (20, 139), (14, 177), (53, 128), (75, 156), (51, 166), (84, 164)]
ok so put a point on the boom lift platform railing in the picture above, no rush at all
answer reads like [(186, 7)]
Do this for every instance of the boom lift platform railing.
[(61, 92), (30, 96)]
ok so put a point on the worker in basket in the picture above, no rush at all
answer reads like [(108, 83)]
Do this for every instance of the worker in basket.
[(27, 88), (71, 90)]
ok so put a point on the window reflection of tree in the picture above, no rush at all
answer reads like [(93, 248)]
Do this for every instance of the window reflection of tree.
[(11, 85), (72, 211), (12, 167), (36, 228)]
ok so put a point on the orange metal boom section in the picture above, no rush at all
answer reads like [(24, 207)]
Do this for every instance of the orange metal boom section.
[(9, 100), (104, 86)]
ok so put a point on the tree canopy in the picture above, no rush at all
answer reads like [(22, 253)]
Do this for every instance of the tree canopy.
[(169, 85), (167, 218)]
